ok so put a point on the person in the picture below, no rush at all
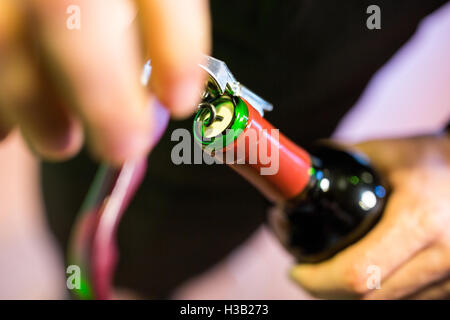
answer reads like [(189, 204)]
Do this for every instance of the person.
[(100, 63), (65, 81)]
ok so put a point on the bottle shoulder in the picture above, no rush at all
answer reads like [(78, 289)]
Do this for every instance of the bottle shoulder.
[(344, 199)]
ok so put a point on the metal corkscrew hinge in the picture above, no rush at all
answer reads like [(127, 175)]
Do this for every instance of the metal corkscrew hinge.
[(222, 84), (221, 81)]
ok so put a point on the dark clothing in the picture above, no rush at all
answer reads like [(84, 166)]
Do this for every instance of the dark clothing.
[(312, 60)]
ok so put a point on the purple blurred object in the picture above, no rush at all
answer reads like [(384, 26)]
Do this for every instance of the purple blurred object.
[(93, 246)]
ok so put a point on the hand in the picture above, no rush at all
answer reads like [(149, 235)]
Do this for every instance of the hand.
[(410, 246), (56, 81)]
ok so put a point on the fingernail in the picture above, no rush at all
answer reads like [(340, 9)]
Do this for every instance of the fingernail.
[(161, 118)]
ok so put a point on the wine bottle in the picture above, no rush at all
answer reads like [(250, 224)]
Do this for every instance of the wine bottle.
[(327, 197)]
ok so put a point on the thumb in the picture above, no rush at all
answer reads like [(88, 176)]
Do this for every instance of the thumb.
[(177, 35)]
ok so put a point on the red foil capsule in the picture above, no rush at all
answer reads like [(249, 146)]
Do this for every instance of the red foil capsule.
[(281, 171)]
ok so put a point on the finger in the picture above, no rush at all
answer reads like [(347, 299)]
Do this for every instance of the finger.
[(434, 292), (47, 128), (346, 274), (389, 155), (177, 35), (10, 27), (94, 60), (428, 266), (10, 21)]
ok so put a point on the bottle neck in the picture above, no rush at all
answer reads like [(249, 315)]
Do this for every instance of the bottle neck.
[(275, 165)]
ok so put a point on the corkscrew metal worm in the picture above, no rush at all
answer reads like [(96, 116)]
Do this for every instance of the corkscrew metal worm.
[(212, 113)]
